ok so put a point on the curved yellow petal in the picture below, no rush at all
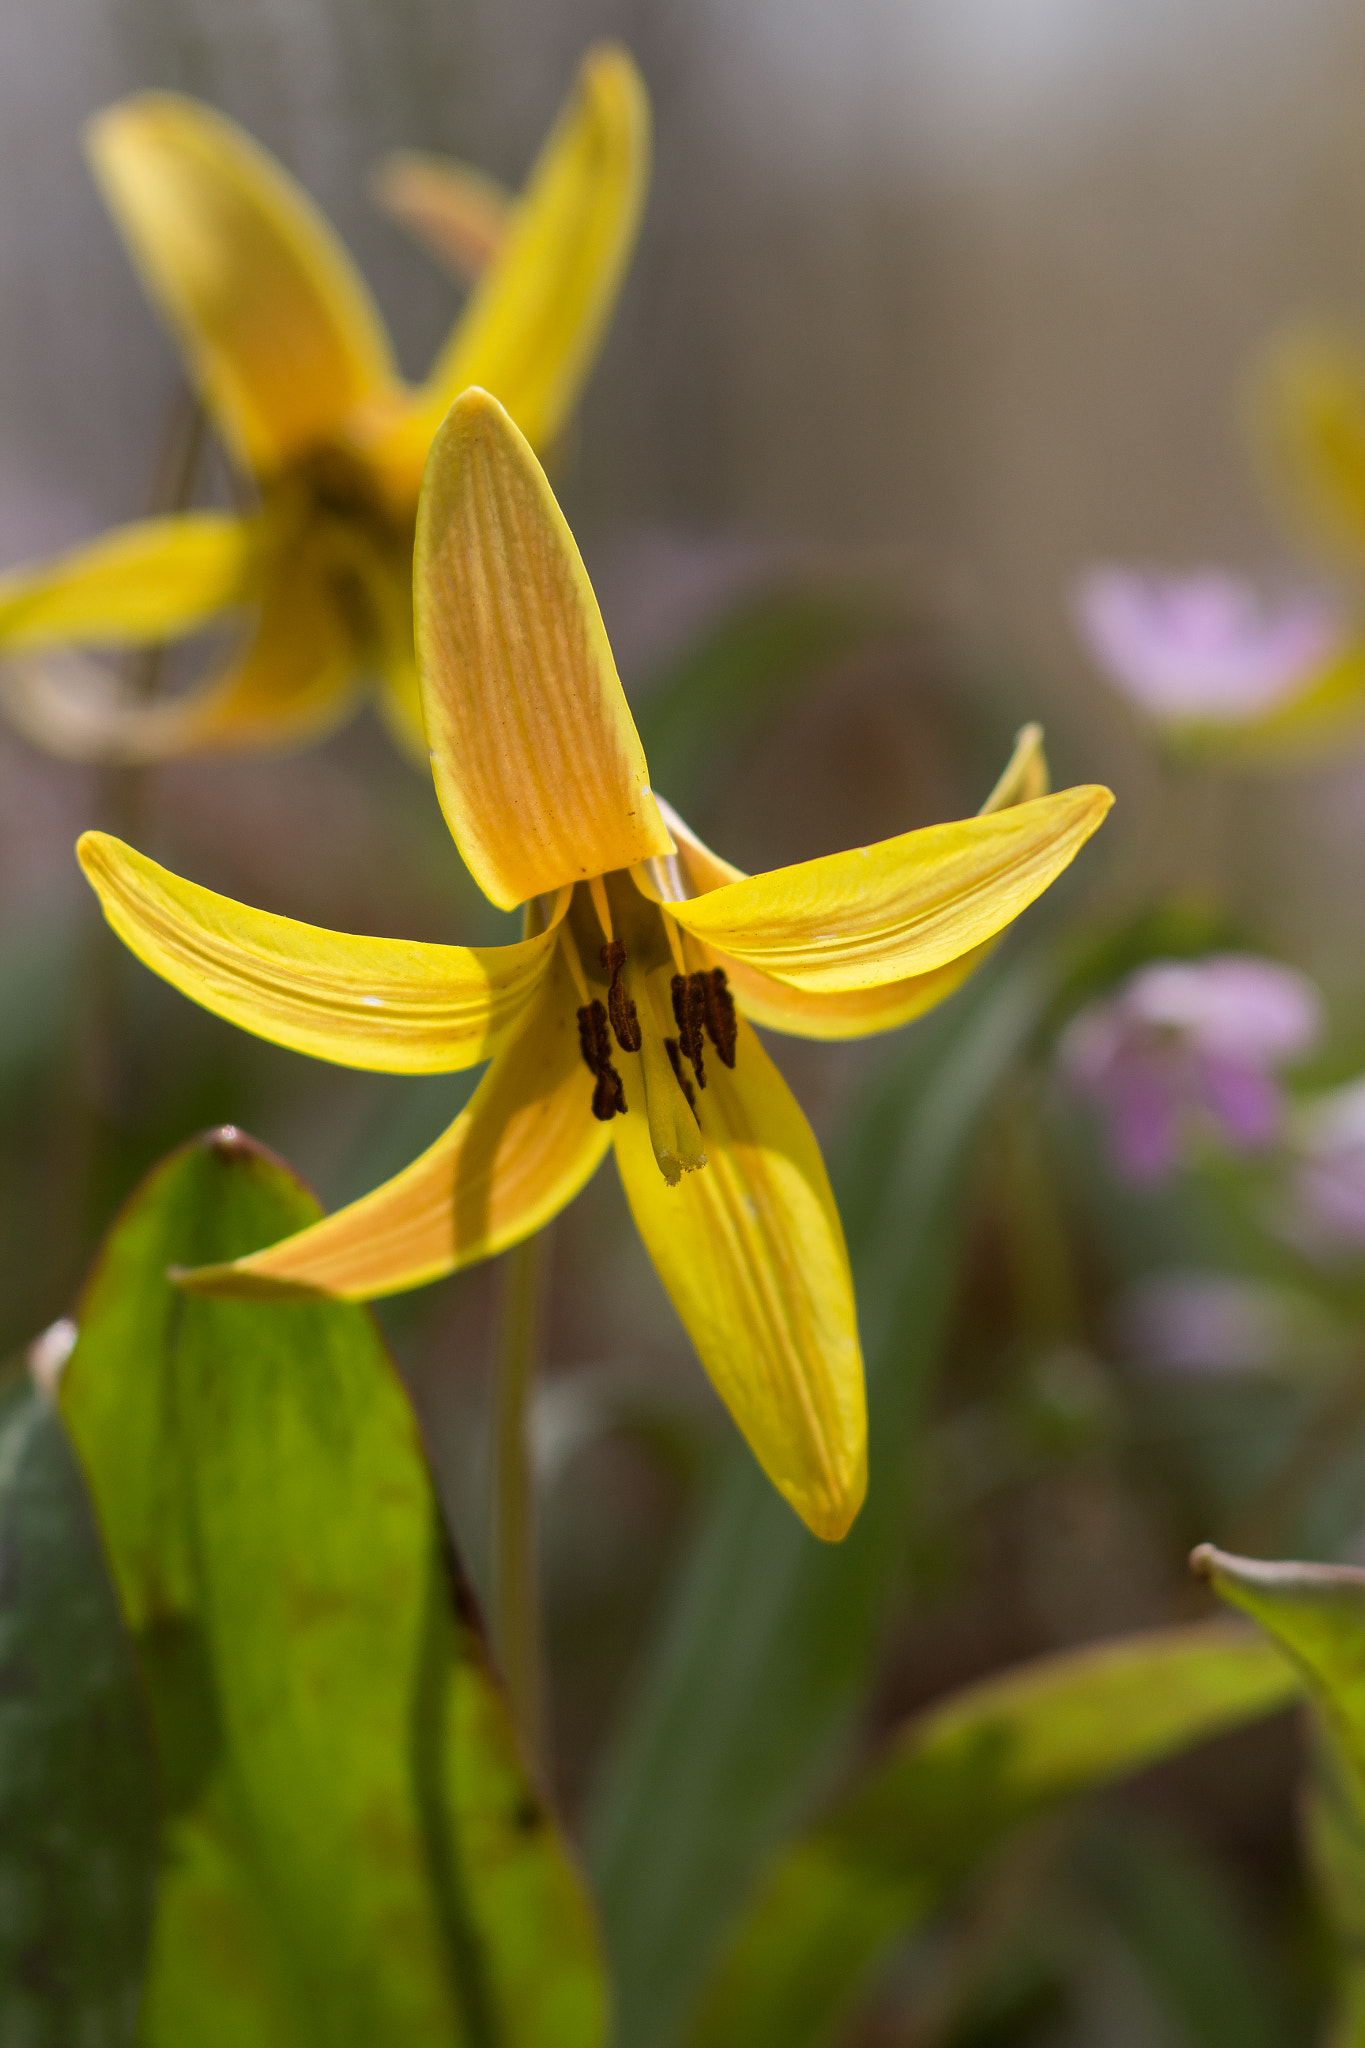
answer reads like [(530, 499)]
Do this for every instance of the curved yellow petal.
[(844, 1013), (534, 324), (1306, 412), (522, 1149), (461, 215), (1024, 776), (752, 1254), (297, 678), (151, 580), (393, 1006), (276, 324), (903, 907), (538, 766)]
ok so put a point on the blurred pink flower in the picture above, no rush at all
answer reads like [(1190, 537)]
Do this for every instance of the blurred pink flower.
[(1186, 1044), (1204, 646), (1328, 1183)]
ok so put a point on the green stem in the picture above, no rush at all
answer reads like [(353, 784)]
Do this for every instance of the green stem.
[(516, 1602)]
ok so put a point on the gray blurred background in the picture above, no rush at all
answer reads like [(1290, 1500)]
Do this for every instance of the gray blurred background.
[(967, 285)]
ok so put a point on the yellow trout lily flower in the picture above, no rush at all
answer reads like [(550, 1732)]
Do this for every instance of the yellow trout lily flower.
[(291, 361), (1305, 413), (623, 1015)]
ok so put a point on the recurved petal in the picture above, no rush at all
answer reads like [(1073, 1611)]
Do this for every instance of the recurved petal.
[(532, 329), (151, 580), (297, 677), (276, 324), (537, 762), (903, 907), (391, 1005), (844, 1013), (461, 215), (522, 1149), (751, 1252)]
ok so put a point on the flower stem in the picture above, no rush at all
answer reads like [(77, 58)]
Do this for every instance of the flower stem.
[(516, 1601)]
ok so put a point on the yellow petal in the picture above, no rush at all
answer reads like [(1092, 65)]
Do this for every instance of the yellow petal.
[(843, 1013), (751, 1252), (905, 906), (1306, 411), (390, 1005), (398, 692), (1025, 774), (522, 1149), (277, 326), (461, 215), (533, 327), (537, 762), (151, 580), (840, 1013), (297, 678)]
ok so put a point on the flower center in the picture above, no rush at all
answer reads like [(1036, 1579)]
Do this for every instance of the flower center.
[(638, 984)]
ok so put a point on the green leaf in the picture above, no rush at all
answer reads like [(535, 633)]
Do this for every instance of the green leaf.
[(1316, 1613), (717, 692), (956, 1782), (77, 1772), (351, 1850), (752, 1694)]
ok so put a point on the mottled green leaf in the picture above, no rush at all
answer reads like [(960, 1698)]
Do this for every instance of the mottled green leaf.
[(955, 1783), (351, 1850), (77, 1772), (753, 1692)]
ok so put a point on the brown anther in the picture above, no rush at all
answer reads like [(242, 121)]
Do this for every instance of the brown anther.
[(689, 1008), (675, 1061), (621, 1009), (609, 1097), (722, 1026)]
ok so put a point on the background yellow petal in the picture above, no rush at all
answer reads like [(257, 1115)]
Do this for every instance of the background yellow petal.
[(390, 1005), (537, 762), (752, 1253), (461, 215), (1306, 414), (298, 677), (532, 329), (523, 1148), (150, 580), (277, 326), (904, 906)]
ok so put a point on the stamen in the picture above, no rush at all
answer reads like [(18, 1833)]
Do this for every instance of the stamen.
[(675, 1061), (609, 1096), (597, 889), (722, 1026), (621, 1009), (689, 1009)]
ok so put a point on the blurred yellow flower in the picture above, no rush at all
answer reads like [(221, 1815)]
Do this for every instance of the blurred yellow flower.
[(1305, 412), (644, 957), (291, 361)]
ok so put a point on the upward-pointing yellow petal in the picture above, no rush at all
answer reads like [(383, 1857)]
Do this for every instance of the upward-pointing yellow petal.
[(532, 328), (279, 331), (537, 762)]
